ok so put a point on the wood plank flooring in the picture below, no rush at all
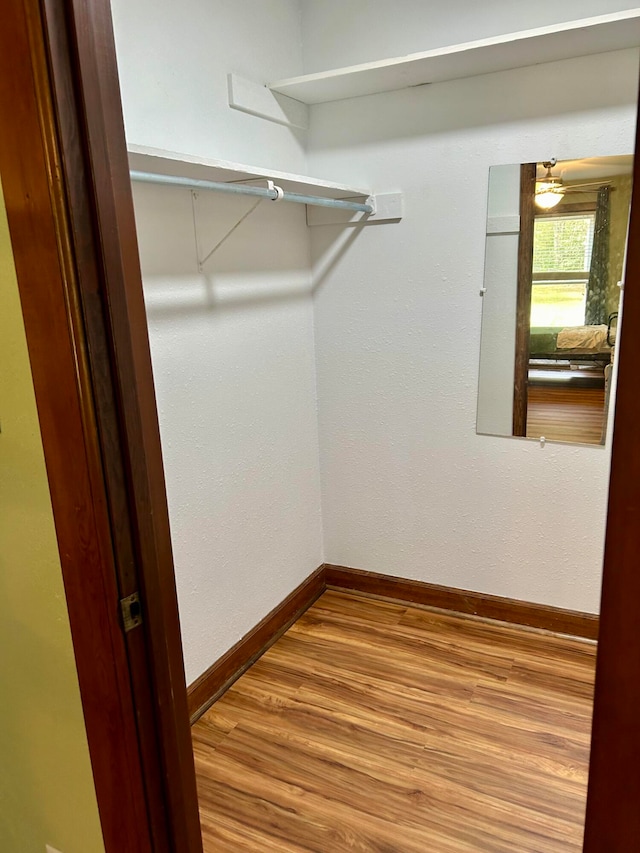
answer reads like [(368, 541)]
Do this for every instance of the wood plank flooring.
[(565, 414), (375, 727)]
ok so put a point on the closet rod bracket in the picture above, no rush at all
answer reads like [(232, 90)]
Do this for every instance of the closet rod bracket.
[(279, 192)]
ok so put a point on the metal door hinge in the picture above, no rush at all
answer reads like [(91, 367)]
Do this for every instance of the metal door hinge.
[(131, 611)]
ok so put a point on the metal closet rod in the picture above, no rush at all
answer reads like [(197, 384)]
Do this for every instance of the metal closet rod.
[(274, 193)]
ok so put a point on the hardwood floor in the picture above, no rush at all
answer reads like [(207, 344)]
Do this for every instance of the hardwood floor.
[(565, 414), (375, 727)]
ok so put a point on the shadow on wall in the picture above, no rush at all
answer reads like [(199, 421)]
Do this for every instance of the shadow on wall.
[(331, 243), (265, 260), (601, 82), (199, 253), (200, 294)]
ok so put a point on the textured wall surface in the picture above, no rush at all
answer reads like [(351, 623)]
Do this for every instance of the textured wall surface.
[(408, 486), (336, 33), (174, 58), (46, 783), (232, 348), (233, 362)]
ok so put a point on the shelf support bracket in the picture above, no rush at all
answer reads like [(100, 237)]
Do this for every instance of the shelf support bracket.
[(203, 260)]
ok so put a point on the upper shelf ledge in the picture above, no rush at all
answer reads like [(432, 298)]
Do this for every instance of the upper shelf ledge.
[(587, 36), (160, 162)]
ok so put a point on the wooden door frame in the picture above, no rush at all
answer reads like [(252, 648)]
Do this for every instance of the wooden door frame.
[(68, 198), (613, 816), (523, 299)]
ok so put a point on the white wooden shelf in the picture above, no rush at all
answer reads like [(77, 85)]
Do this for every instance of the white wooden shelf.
[(160, 162), (515, 50)]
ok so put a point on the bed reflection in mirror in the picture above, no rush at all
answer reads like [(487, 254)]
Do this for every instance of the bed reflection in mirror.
[(555, 249)]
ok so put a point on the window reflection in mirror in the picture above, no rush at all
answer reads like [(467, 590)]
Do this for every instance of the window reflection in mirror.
[(556, 239)]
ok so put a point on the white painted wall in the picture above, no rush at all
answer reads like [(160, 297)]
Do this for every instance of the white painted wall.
[(336, 33), (173, 59), (233, 363), (408, 486), (232, 349), (499, 303)]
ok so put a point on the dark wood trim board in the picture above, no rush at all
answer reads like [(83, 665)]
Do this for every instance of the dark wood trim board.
[(98, 191), (68, 197), (464, 601), (613, 817), (95, 170), (220, 676), (523, 304), (36, 202)]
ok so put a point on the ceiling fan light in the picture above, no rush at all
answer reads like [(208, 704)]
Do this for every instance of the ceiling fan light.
[(548, 198), (549, 191)]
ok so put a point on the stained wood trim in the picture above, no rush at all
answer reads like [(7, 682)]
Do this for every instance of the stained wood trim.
[(463, 601), (37, 212), (107, 433), (221, 675), (523, 305), (95, 172), (613, 816)]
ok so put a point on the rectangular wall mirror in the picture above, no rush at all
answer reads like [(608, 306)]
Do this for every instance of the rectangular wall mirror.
[(556, 241)]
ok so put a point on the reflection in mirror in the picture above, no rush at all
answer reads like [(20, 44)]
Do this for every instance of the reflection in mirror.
[(556, 240)]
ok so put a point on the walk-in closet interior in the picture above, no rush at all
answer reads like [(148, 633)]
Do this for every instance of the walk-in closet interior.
[(349, 385)]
